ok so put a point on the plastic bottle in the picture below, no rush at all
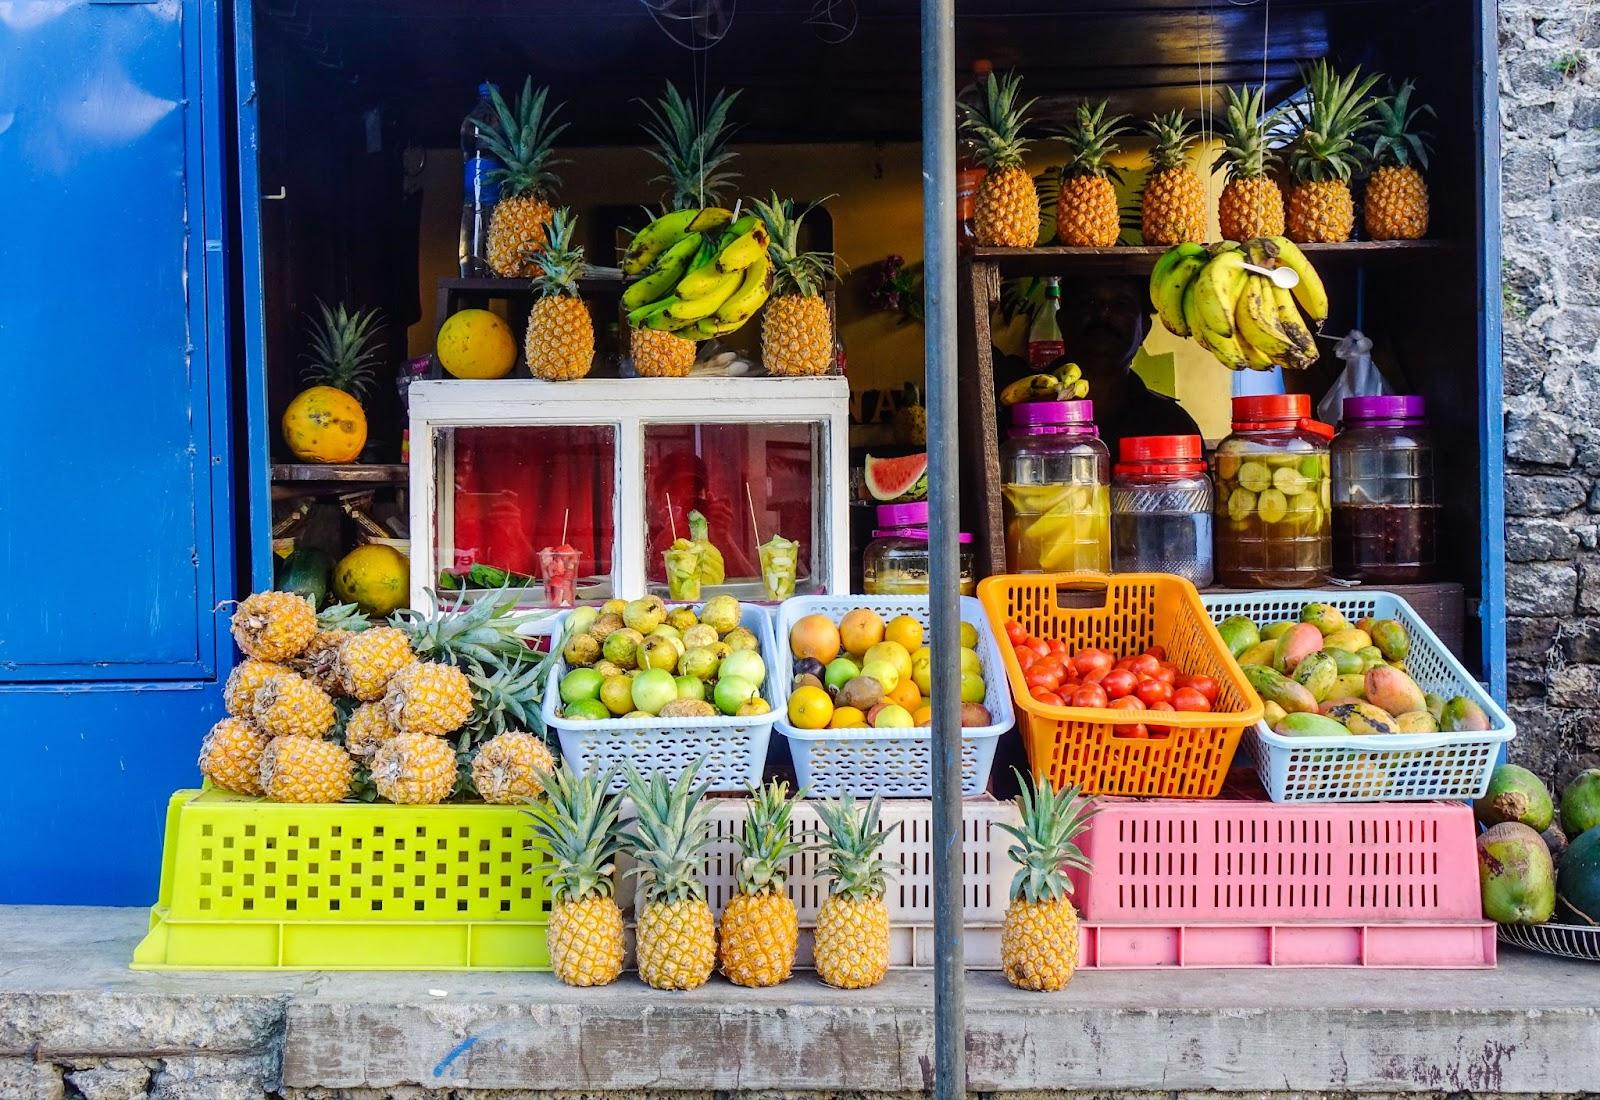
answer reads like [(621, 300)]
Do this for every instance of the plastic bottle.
[(478, 192), (1045, 344), (969, 173)]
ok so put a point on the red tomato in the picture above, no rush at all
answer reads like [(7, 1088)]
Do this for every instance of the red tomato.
[(1119, 682), (1040, 648), (1042, 677), (1166, 674), (1026, 657), (1086, 661), (1205, 685), (1144, 664), (1089, 695), (1151, 692), (1156, 708), (1015, 632), (1124, 662), (1189, 699), (1096, 675), (1127, 702), (1159, 652), (1135, 732), (1057, 646), (1047, 697)]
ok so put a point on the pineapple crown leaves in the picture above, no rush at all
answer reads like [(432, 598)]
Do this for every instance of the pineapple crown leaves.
[(508, 698), (853, 840), (794, 271), (484, 632), (522, 141), (1330, 116), (670, 834), (766, 844), (343, 616), (341, 352), (996, 120), (1090, 141), (577, 820), (692, 150), (1171, 137), (1396, 138), (1051, 820), (560, 262), (1246, 124)]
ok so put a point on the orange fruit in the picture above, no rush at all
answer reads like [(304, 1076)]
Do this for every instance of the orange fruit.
[(847, 718), (906, 694), (815, 636), (810, 708), (923, 715), (860, 630), (905, 630)]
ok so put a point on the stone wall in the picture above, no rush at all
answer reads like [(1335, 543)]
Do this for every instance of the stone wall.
[(1550, 225)]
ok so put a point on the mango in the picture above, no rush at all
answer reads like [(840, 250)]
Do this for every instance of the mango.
[(1580, 804), (1309, 725), (1462, 715), (1325, 617), (1365, 623), (1347, 640), (1294, 645), (1415, 721), (1391, 639), (1272, 714), (1351, 685), (1434, 703), (1259, 654), (1327, 705), (1349, 663), (1317, 673), (1273, 631), (1363, 718), (1516, 875), (1515, 794), (1238, 633), (1392, 690), (1274, 687), (1371, 657)]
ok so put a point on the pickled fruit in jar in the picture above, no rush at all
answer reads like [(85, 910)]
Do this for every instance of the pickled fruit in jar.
[(1255, 476), (1058, 528), (1276, 506)]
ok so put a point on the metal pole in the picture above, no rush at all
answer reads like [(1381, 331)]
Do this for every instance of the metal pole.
[(944, 573)]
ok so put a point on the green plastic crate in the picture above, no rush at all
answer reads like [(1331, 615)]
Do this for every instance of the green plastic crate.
[(253, 885)]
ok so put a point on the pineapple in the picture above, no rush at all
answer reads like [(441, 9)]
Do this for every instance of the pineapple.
[(230, 756), (1395, 206), (289, 704), (506, 768), (415, 769), (660, 354), (239, 694), (428, 697), (677, 933), (852, 938), (274, 626), (1039, 937), (796, 331), (367, 730), (560, 341), (305, 769), (522, 141), (1325, 154), (1006, 206), (1251, 204), (319, 661), (480, 633), (577, 821), (1086, 207), (760, 929), (1172, 207), (367, 661)]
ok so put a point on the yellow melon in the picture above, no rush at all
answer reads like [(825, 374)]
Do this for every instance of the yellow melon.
[(376, 577), (474, 343), (324, 424)]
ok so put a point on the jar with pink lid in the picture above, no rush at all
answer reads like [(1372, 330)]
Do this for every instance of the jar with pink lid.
[(895, 562)]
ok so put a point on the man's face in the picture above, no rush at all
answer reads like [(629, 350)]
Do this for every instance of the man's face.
[(1102, 322)]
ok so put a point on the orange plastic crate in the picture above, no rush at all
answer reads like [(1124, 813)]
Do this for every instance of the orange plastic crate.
[(1090, 748)]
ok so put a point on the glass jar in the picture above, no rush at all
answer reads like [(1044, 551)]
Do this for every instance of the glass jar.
[(1273, 495), (1055, 485), (1161, 508), (1384, 511), (895, 562)]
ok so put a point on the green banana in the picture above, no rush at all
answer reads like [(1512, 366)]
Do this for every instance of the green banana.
[(738, 228), (1305, 344), (1167, 296), (643, 315), (656, 238), (1222, 345), (1216, 288), (755, 283), (707, 327), (1256, 318), (743, 250), (701, 276), (660, 279), (693, 309), (1309, 292)]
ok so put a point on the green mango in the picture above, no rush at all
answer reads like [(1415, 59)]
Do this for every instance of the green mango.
[(1391, 639), (1363, 718), (1273, 631), (1259, 654), (1415, 721), (1272, 713), (1462, 715), (1349, 640), (1317, 672), (1325, 617), (1238, 633), (1371, 657), (1434, 704), (1349, 664), (1309, 725), (1294, 645), (1275, 687), (1350, 686)]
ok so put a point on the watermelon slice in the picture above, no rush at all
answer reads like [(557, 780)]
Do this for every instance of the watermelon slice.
[(898, 479)]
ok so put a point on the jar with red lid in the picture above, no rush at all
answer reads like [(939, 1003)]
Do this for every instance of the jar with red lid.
[(895, 562), (1274, 496), (1161, 508), (1385, 514), (1055, 489)]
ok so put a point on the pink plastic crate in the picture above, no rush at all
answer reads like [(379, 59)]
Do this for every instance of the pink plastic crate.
[(1243, 859), (1428, 945)]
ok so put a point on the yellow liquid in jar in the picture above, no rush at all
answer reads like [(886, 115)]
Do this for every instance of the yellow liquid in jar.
[(1058, 528)]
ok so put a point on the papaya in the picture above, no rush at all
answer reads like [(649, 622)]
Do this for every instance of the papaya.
[(1309, 725), (1349, 664), (1515, 794), (1273, 631), (1352, 686), (1392, 690), (1294, 645), (1325, 617), (1259, 654), (1349, 640), (1580, 804), (1462, 715), (1415, 721), (1391, 639), (1317, 673), (1578, 884), (1516, 875), (1363, 718), (1275, 687), (1239, 633)]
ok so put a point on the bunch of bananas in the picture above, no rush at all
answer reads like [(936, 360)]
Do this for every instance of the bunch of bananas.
[(1067, 384), (699, 273), (1240, 316)]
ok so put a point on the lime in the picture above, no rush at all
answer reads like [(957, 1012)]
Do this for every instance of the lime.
[(1287, 480), (1255, 476), (1227, 466), (1272, 506), (969, 636), (588, 710), (1241, 502), (1313, 466)]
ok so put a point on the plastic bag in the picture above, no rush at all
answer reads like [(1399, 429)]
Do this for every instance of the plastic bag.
[(1360, 377)]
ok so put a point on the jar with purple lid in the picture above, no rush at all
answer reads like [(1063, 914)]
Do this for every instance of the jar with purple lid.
[(1055, 476), (895, 562), (1385, 511)]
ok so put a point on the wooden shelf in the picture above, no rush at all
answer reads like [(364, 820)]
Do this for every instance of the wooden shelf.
[(603, 281), (353, 474), (1138, 259)]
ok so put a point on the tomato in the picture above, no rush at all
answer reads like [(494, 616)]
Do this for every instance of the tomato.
[(1127, 702), (1143, 664), (1205, 685), (1089, 695), (1159, 652), (1086, 661), (1125, 662), (1160, 708), (1040, 648), (1042, 677), (1096, 676), (1057, 646), (1151, 692), (1047, 697), (1026, 657), (1015, 632), (1190, 700), (1135, 731), (1119, 682), (1166, 674)]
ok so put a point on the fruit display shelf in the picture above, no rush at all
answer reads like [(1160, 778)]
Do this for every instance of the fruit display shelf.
[(1138, 259)]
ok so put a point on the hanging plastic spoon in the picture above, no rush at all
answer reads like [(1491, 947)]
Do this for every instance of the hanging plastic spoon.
[(1286, 277)]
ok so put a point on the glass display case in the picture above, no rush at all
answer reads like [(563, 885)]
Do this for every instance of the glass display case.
[(619, 470)]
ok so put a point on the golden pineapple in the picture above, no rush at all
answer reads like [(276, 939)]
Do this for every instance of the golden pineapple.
[(1395, 204), (760, 929), (852, 937), (230, 756), (577, 821), (522, 141), (415, 769), (289, 704), (692, 147), (1086, 205), (660, 354), (239, 694), (560, 341), (483, 631), (428, 697), (274, 626), (319, 661), (1006, 205), (305, 769), (1039, 936), (367, 730), (1172, 206), (367, 661), (1325, 155), (506, 768), (796, 330), (1251, 204), (677, 935)]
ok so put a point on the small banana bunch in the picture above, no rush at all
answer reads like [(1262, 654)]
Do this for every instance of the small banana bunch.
[(1240, 316), (699, 273), (1067, 384)]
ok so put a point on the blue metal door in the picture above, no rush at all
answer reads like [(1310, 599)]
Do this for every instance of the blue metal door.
[(116, 541)]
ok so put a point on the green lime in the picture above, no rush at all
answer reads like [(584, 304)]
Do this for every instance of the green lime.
[(1288, 480), (1314, 466), (1241, 502), (1303, 507), (1272, 506), (587, 710), (1227, 466), (1254, 476)]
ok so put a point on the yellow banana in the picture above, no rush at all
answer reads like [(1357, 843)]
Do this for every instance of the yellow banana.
[(1034, 387), (701, 277), (658, 282), (692, 309), (1216, 288), (755, 284), (1222, 345), (1069, 374), (710, 219), (1309, 292), (743, 250), (1305, 344), (1172, 273), (1256, 320)]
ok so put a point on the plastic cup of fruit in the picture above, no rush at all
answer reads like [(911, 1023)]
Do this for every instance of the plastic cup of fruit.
[(559, 566), (780, 557), (683, 572)]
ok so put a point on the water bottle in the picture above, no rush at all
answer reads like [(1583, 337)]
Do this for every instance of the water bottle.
[(478, 192)]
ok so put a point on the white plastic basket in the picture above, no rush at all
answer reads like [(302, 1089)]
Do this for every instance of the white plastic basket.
[(896, 763), (1406, 767), (734, 750)]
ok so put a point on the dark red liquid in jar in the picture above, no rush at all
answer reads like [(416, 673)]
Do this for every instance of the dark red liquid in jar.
[(1385, 543)]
